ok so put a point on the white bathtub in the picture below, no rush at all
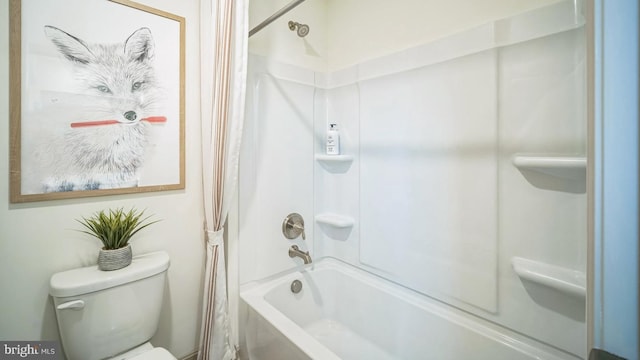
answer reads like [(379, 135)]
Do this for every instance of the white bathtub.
[(345, 313)]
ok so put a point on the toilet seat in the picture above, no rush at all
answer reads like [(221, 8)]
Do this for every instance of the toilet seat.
[(155, 354)]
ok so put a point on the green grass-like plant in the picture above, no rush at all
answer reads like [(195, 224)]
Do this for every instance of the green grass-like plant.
[(115, 227)]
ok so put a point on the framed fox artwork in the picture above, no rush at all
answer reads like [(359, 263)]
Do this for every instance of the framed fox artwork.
[(96, 99)]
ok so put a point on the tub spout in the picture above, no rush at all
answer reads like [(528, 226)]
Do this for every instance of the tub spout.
[(295, 251)]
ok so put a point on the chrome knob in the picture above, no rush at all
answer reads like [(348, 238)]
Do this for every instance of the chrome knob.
[(293, 226)]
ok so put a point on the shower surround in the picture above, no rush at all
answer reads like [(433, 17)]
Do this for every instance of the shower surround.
[(461, 178)]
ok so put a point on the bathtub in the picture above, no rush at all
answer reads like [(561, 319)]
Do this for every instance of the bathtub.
[(343, 312)]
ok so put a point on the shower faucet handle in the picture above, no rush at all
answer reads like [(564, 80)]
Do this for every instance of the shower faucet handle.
[(293, 226)]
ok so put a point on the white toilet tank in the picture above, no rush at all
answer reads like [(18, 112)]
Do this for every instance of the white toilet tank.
[(105, 313)]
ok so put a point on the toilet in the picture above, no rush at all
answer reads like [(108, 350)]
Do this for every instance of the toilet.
[(111, 314)]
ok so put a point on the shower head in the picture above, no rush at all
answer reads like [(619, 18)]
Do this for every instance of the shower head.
[(302, 29)]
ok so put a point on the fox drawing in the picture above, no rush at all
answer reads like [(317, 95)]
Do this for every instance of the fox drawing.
[(104, 148)]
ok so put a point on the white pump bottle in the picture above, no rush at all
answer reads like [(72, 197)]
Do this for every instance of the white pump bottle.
[(333, 140)]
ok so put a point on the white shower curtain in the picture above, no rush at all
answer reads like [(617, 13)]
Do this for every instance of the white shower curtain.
[(223, 65)]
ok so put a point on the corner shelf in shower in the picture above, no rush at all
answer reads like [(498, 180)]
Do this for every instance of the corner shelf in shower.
[(335, 163), (334, 158), (567, 167), (335, 220), (568, 281)]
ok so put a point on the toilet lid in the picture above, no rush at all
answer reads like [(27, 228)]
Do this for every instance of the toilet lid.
[(155, 354)]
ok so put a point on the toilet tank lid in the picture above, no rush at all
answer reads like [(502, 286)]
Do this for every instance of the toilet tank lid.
[(90, 279)]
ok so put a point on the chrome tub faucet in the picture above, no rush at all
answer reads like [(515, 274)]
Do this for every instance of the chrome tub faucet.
[(295, 251)]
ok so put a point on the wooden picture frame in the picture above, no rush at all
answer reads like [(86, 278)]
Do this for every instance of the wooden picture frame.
[(97, 96)]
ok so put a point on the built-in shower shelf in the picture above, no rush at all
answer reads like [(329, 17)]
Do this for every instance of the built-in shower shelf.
[(571, 282), (334, 158), (335, 163), (567, 167), (335, 220)]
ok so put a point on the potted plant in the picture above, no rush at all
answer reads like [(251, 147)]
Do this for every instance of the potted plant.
[(114, 228)]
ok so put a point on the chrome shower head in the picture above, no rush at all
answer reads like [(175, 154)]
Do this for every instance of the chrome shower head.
[(302, 29)]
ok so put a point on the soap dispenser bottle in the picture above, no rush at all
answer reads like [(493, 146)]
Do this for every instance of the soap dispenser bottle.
[(333, 140)]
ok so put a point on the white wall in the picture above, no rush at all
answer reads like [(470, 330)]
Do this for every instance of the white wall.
[(278, 43), (276, 170), (341, 33), (348, 32), (37, 239), (276, 165), (442, 208), (542, 111)]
